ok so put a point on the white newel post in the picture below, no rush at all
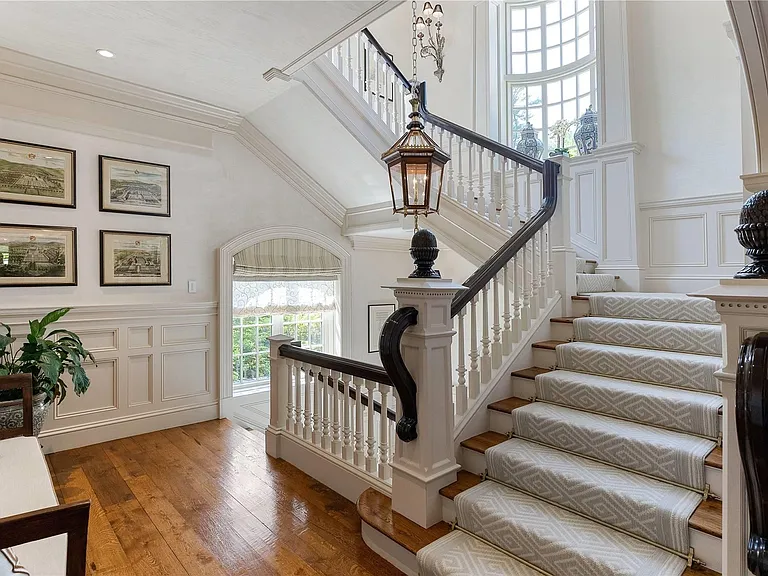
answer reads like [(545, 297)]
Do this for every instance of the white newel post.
[(743, 308), (279, 388), (563, 254), (422, 467)]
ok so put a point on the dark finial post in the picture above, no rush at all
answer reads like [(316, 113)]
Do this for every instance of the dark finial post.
[(424, 253), (752, 233)]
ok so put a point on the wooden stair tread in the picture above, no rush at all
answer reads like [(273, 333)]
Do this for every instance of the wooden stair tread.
[(563, 319), (715, 458), (707, 518), (700, 572), (482, 442), (464, 481), (591, 261), (508, 404), (548, 344), (375, 509), (580, 297), (530, 373)]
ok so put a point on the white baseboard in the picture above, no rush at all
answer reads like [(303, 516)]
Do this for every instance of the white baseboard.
[(390, 550), (78, 436)]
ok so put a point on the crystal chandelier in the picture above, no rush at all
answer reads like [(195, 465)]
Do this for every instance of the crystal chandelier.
[(435, 47)]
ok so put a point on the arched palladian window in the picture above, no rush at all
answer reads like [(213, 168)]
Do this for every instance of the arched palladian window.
[(550, 66)]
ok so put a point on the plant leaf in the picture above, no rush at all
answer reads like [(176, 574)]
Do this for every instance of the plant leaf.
[(50, 364), (53, 316), (79, 380), (35, 331)]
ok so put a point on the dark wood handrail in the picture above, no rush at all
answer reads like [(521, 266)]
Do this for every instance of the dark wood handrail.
[(752, 430)]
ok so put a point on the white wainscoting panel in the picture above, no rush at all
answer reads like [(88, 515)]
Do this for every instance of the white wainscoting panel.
[(689, 243), (140, 382)]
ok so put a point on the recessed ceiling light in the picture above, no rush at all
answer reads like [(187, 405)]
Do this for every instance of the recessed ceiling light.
[(105, 53)]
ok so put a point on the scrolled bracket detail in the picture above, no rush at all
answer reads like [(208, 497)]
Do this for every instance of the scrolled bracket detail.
[(392, 361)]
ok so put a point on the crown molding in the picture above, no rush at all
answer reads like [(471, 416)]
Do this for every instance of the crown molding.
[(30, 71), (730, 197), (102, 312), (380, 244), (253, 139)]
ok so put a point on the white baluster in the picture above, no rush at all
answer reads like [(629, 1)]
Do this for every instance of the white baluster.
[(493, 194), (481, 200), (517, 304), (298, 423), (326, 377), (377, 83), (307, 402), (361, 52), (388, 105), (525, 313), (290, 415), (359, 435), (397, 103), (528, 207), (534, 277), (371, 458), (515, 199), (333, 380), (471, 200), (350, 75), (347, 448), (369, 67), (542, 268), (506, 335), (485, 362), (474, 355), (451, 185), (550, 265), (461, 387), (385, 471), (460, 195), (340, 59), (317, 414), (502, 194), (496, 346)]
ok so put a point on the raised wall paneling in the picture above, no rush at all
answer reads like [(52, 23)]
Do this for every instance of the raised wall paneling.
[(184, 374), (586, 196), (140, 337), (102, 394), (99, 340), (618, 212), (729, 251), (140, 380), (678, 241), (174, 334)]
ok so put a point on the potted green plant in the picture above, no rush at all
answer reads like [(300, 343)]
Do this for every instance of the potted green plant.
[(46, 356)]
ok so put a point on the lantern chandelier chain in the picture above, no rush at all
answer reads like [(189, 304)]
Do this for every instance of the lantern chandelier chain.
[(414, 81)]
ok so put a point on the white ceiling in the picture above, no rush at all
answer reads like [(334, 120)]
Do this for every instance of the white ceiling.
[(212, 51)]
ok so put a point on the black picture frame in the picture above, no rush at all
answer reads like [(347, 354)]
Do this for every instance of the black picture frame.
[(375, 313), (29, 284), (102, 262), (73, 177), (104, 207)]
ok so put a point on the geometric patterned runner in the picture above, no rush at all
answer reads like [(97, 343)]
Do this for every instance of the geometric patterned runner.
[(586, 283), (648, 508), (668, 307)]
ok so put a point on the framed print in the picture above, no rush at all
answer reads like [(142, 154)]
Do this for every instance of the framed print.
[(134, 187), (135, 258), (37, 255), (377, 316), (36, 174)]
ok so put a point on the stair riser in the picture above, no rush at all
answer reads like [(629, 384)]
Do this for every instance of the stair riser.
[(543, 358), (707, 548), (580, 308), (560, 331)]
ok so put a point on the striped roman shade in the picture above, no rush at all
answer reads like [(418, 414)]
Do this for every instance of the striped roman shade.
[(285, 258)]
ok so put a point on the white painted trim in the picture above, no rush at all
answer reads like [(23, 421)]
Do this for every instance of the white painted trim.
[(619, 149), (390, 550), (692, 201), (280, 163), (371, 218), (228, 251), (377, 243), (113, 312)]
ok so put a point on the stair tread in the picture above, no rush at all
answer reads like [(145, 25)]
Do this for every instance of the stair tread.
[(715, 458), (700, 571), (508, 404), (563, 319), (580, 297), (464, 481), (375, 509), (530, 373), (482, 442), (548, 344)]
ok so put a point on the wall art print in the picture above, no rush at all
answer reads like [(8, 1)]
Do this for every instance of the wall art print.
[(37, 255), (135, 258), (37, 174), (134, 187)]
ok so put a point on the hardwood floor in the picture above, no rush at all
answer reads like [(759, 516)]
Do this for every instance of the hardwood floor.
[(206, 500)]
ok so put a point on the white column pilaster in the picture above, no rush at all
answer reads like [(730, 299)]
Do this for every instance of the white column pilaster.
[(422, 467), (563, 253)]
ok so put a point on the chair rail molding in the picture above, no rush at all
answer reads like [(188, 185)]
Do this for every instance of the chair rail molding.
[(227, 253)]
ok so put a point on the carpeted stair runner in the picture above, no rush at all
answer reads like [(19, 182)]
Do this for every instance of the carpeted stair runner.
[(672, 336), (669, 307), (692, 371), (668, 407), (556, 540), (588, 283), (651, 509)]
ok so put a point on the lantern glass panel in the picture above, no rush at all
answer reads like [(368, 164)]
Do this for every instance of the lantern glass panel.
[(436, 183), (417, 182), (395, 180)]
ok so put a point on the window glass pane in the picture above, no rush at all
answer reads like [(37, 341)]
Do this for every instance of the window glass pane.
[(583, 46), (236, 341), (516, 96), (263, 340), (534, 62), (236, 368), (582, 24), (553, 114), (569, 29), (249, 320), (534, 117), (249, 339), (553, 35), (518, 64), (534, 96), (263, 367), (553, 12), (569, 53), (518, 19), (518, 42), (569, 110), (249, 367), (534, 39), (569, 88), (553, 58), (584, 85), (584, 103), (582, 4), (316, 333), (553, 92), (534, 17), (568, 8)]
